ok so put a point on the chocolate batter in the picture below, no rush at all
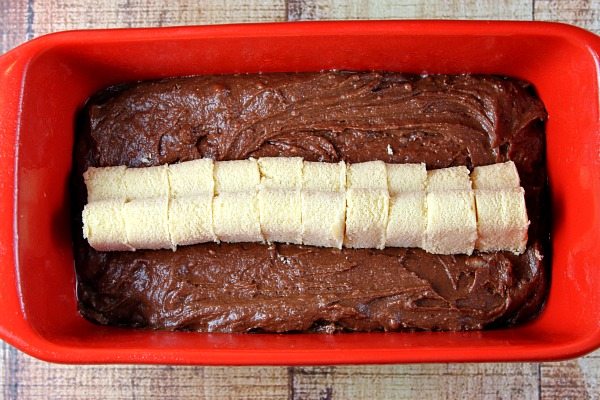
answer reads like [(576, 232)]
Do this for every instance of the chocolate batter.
[(440, 120)]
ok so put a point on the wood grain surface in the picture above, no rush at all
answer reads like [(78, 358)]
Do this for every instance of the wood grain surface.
[(26, 378)]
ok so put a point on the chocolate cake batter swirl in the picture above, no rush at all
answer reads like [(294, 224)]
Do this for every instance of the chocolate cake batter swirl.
[(330, 116)]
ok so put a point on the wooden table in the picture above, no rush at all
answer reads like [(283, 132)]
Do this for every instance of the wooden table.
[(25, 377)]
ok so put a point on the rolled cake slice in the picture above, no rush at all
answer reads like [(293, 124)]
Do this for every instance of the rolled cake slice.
[(453, 178), (281, 172), (280, 215), (502, 221), (147, 223), (407, 220), (328, 177), (366, 218), (104, 225), (236, 217), (367, 175), (323, 218), (451, 222), (236, 176), (406, 178), (146, 182), (105, 183), (496, 176), (191, 178), (191, 219)]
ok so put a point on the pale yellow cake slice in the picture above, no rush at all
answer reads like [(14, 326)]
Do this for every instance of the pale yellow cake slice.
[(366, 218), (323, 218)]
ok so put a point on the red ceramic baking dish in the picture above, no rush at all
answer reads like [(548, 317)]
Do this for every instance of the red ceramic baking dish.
[(46, 81)]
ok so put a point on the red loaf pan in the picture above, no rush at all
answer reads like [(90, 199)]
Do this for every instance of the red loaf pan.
[(46, 81)]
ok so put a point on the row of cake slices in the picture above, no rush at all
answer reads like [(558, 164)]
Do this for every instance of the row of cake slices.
[(288, 200)]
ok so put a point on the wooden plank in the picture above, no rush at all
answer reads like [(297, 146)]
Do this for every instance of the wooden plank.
[(14, 23), (10, 359), (584, 13), (573, 379), (56, 15), (403, 9), (27, 378), (448, 381)]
